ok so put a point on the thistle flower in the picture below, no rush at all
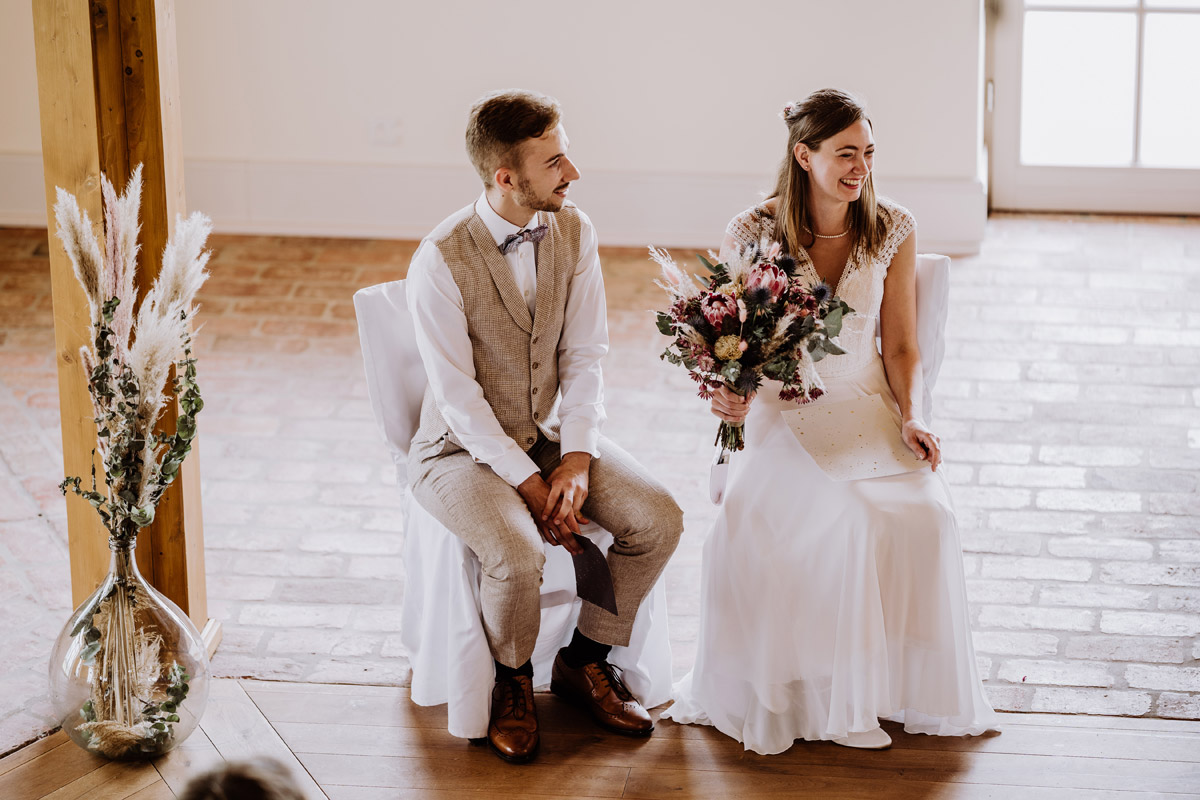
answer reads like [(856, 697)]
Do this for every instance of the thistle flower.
[(820, 291), (787, 264), (758, 296)]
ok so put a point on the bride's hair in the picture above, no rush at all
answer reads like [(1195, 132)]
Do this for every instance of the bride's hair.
[(822, 114)]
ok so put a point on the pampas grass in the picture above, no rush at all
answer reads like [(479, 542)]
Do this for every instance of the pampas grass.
[(134, 348)]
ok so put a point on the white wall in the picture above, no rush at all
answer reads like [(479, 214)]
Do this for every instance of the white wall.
[(347, 117)]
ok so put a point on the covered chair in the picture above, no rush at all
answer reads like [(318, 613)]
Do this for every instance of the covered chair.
[(441, 627)]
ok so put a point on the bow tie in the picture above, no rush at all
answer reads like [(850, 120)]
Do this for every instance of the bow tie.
[(528, 235)]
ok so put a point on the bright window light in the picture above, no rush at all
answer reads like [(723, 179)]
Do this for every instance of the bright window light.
[(1170, 77), (1078, 88)]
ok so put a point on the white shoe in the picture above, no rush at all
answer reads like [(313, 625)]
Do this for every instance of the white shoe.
[(876, 739)]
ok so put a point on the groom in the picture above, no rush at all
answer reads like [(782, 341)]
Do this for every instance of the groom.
[(507, 298)]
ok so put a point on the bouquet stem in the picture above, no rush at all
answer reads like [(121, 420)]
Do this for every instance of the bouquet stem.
[(731, 436)]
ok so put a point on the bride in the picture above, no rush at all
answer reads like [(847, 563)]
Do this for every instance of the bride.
[(828, 605)]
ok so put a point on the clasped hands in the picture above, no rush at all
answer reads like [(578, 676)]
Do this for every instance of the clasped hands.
[(925, 445), (556, 503)]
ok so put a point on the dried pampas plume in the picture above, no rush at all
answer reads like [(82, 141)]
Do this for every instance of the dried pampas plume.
[(79, 240), (122, 226), (133, 347), (674, 281)]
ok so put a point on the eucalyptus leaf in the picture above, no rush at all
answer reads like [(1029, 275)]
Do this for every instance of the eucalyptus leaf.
[(88, 654), (665, 326)]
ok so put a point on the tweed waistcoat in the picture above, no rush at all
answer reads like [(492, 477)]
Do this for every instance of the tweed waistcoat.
[(515, 357)]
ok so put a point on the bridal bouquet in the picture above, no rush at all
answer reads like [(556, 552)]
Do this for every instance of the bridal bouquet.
[(753, 319)]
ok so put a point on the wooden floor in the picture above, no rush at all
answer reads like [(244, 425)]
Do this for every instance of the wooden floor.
[(363, 743)]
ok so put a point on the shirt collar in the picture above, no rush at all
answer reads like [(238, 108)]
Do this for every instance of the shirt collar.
[(498, 226)]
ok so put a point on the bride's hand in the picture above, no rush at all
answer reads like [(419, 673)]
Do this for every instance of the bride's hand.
[(922, 441), (729, 406)]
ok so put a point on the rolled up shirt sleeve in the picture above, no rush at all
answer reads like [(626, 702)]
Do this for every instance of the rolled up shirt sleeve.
[(581, 348), (436, 305)]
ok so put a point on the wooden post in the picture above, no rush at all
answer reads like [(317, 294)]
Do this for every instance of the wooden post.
[(108, 86)]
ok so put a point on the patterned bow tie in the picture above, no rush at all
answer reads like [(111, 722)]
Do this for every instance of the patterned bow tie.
[(534, 235)]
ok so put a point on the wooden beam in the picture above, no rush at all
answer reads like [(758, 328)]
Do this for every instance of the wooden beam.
[(108, 86), (71, 159)]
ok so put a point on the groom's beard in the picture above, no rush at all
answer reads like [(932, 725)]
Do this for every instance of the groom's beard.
[(527, 198)]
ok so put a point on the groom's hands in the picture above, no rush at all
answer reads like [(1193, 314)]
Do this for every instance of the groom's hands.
[(556, 505)]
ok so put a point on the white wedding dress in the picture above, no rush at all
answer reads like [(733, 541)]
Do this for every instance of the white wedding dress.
[(827, 605)]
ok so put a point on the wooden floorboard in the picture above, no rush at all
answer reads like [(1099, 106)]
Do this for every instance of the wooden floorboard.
[(31, 751), (195, 755), (658, 784), (371, 743), (704, 755), (48, 772), (114, 780), (238, 729), (159, 790)]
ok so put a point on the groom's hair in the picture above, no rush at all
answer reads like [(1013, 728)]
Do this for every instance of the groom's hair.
[(498, 124)]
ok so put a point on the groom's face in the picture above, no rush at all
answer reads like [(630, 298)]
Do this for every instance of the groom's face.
[(546, 173)]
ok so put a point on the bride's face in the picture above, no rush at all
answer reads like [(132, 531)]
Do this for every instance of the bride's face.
[(840, 165)]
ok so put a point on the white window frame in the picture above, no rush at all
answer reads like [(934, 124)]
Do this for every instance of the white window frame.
[(1028, 187)]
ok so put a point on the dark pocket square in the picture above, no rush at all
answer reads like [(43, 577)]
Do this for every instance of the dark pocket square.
[(593, 580)]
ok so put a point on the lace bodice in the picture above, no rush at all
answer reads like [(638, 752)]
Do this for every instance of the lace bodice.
[(861, 284)]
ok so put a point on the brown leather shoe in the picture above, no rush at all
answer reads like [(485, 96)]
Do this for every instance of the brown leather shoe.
[(513, 725), (599, 689)]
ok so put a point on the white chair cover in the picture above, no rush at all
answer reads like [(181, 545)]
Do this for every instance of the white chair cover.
[(933, 301), (441, 626), (933, 304)]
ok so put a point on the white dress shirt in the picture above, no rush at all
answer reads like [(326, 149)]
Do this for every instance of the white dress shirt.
[(436, 304)]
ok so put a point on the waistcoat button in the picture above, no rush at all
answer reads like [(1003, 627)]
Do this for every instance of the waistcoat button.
[(535, 365), (537, 415), (531, 439), (534, 340), (535, 390)]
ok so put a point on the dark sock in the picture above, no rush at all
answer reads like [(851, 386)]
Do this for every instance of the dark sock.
[(525, 669), (583, 650)]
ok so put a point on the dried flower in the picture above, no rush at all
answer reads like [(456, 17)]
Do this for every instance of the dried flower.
[(755, 320), (716, 307), (131, 355), (727, 347), (768, 277), (674, 280)]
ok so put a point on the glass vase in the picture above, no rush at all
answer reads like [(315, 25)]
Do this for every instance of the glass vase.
[(129, 672)]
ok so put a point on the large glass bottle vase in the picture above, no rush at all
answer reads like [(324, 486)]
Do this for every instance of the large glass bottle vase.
[(129, 672)]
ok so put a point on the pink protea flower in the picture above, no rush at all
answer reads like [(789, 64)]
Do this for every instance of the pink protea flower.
[(716, 307), (769, 277)]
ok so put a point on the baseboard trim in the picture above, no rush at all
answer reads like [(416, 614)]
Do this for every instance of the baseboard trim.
[(406, 202)]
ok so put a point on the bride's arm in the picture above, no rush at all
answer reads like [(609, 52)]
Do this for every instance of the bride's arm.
[(901, 357)]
